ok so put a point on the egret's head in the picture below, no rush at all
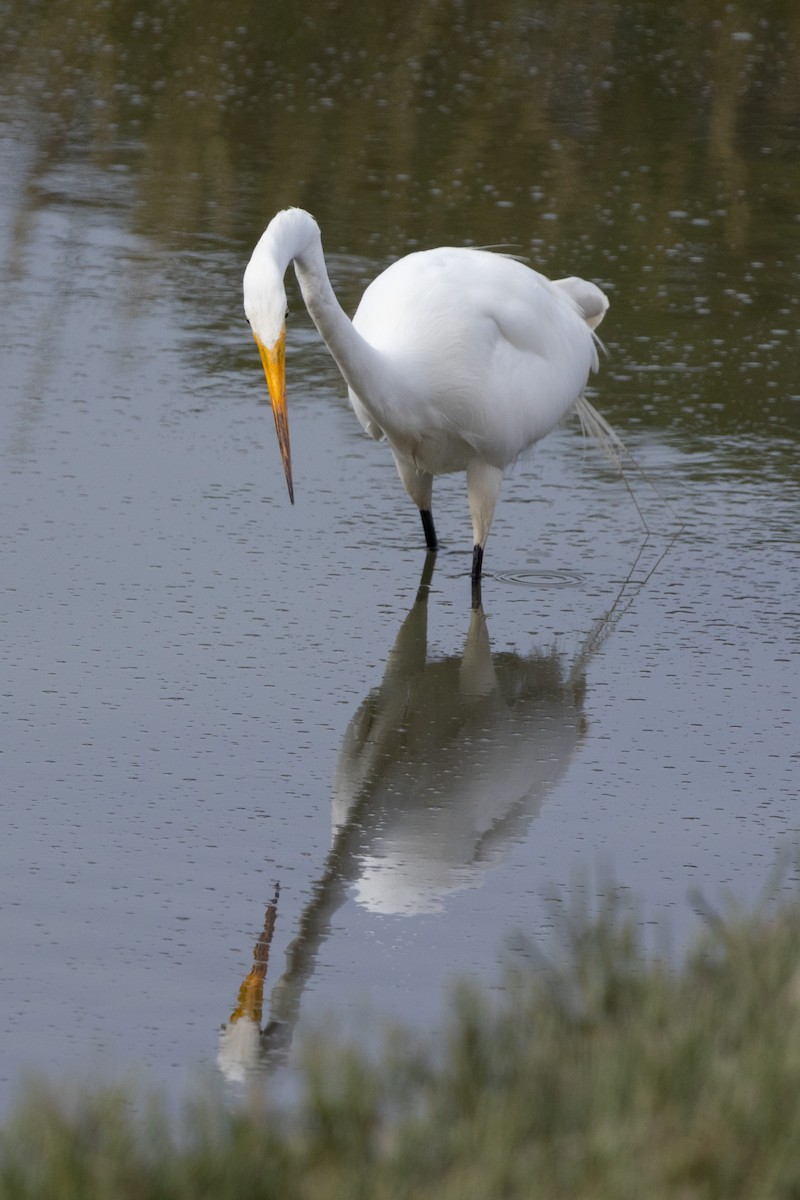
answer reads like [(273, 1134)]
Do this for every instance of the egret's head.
[(265, 309)]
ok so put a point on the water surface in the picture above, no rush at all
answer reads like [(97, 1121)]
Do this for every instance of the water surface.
[(207, 693)]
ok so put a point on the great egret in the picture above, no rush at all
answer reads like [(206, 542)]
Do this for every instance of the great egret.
[(460, 358)]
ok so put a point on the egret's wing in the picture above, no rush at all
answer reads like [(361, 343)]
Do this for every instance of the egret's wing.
[(367, 422)]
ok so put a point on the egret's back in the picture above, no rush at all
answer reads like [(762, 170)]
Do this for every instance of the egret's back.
[(486, 354)]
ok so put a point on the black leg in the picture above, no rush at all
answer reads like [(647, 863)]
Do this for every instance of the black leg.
[(430, 532), (477, 563)]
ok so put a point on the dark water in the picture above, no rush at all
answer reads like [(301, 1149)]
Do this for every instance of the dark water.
[(204, 692)]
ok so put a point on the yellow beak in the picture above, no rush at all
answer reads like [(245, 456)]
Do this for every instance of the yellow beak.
[(274, 360)]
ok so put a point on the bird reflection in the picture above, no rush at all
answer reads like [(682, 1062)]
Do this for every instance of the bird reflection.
[(447, 761), (442, 768)]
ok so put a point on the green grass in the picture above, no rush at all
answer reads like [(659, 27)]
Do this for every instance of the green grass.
[(609, 1076)]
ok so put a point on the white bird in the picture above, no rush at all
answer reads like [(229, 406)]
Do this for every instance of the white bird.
[(460, 358)]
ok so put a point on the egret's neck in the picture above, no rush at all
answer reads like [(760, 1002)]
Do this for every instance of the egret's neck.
[(360, 364), (326, 312)]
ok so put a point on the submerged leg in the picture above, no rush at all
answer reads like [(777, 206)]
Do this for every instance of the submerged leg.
[(423, 590)]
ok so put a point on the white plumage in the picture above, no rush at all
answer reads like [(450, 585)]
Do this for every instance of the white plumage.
[(460, 358)]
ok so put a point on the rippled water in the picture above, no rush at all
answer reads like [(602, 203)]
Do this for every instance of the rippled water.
[(207, 693)]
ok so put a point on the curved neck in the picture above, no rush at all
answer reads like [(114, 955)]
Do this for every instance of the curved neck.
[(298, 239)]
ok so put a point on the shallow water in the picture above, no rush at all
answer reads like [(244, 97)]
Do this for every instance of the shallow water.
[(207, 693)]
